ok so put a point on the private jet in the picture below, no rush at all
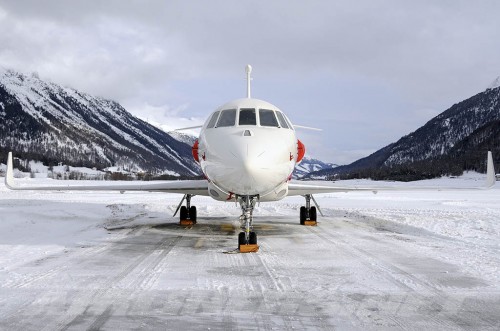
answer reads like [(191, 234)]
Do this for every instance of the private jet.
[(247, 150)]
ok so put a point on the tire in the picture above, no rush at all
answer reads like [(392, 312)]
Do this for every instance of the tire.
[(184, 213), (253, 238), (303, 215), (192, 214), (241, 239), (312, 214)]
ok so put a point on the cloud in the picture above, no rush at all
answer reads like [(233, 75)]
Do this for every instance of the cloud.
[(376, 62)]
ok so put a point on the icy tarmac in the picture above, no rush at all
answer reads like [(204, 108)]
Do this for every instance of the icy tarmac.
[(391, 261)]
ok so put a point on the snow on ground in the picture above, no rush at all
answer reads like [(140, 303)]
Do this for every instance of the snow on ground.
[(392, 260)]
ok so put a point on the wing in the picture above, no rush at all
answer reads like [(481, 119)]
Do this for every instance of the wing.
[(301, 188), (194, 187)]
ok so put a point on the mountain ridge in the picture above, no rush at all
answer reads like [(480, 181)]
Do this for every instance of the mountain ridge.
[(45, 121), (433, 148)]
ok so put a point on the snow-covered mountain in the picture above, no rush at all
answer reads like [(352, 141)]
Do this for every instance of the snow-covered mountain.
[(309, 165), (495, 83), (183, 137), (44, 121), (443, 132), (455, 140)]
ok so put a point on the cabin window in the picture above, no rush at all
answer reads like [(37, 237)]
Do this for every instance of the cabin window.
[(227, 118), (211, 124), (247, 116), (267, 118), (281, 119)]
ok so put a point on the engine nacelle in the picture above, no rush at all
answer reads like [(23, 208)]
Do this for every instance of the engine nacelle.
[(194, 150), (301, 151)]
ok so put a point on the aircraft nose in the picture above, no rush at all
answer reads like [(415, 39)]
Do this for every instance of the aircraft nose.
[(258, 170), (250, 165)]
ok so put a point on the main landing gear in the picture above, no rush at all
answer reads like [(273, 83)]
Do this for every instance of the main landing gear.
[(247, 240), (308, 215), (187, 212)]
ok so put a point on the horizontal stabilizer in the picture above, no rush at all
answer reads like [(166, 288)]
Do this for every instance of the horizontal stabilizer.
[(306, 127), (190, 128)]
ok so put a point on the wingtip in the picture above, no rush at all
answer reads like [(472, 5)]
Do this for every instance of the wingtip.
[(9, 176), (490, 172)]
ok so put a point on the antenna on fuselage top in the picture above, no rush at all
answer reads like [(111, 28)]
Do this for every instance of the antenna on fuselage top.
[(248, 69)]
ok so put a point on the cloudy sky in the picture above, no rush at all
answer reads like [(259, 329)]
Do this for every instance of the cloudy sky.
[(366, 72)]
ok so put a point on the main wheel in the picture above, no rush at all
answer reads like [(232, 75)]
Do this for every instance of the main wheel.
[(184, 213), (303, 215), (241, 239), (192, 214), (312, 214), (253, 238)]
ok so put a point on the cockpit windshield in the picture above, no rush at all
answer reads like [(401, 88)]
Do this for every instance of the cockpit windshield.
[(267, 118), (247, 116), (227, 118)]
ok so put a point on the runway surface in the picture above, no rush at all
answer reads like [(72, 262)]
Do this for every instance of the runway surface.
[(356, 270)]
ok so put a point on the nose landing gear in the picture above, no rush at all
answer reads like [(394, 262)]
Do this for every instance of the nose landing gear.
[(247, 240)]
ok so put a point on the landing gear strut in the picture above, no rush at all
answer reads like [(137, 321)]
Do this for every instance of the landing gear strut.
[(187, 213), (247, 240), (308, 215)]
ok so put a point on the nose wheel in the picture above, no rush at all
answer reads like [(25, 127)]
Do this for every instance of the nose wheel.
[(251, 241), (247, 240)]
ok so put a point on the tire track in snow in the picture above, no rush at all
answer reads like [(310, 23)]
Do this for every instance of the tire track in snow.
[(106, 287), (150, 270), (42, 278), (407, 282), (81, 252)]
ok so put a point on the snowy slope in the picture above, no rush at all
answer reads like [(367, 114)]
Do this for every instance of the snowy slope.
[(308, 165), (460, 135), (425, 260), (495, 83), (443, 132), (183, 137), (44, 121)]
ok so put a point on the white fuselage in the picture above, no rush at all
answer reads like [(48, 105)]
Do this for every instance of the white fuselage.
[(243, 151)]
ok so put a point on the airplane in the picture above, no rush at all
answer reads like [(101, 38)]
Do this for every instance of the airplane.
[(247, 150)]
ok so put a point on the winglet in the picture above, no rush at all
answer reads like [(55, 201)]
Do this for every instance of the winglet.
[(9, 176), (490, 172)]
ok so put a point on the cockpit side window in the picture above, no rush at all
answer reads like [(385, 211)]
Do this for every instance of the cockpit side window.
[(227, 118), (247, 116), (267, 118), (211, 124), (288, 121), (281, 119)]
